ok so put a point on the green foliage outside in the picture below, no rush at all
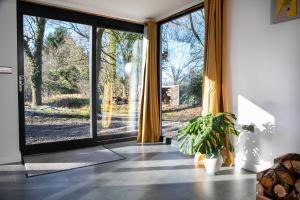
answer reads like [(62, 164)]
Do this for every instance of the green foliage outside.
[(182, 44)]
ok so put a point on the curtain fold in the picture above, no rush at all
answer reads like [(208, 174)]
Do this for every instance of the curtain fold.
[(215, 75), (149, 122)]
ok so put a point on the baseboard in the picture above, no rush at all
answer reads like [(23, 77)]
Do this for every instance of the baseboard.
[(250, 166), (4, 159)]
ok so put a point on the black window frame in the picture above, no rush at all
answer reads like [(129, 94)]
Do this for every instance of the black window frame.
[(55, 13), (159, 72)]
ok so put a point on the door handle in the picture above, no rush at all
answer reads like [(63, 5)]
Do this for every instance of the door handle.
[(21, 83)]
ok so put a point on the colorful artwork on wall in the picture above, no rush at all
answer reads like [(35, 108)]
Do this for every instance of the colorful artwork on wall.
[(284, 10)]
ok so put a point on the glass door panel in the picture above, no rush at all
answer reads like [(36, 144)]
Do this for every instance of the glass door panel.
[(182, 52), (57, 73), (118, 75)]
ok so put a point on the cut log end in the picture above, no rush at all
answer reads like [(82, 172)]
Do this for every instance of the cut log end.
[(259, 188), (281, 190), (284, 175), (269, 179)]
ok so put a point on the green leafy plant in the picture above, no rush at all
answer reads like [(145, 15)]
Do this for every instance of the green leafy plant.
[(207, 134)]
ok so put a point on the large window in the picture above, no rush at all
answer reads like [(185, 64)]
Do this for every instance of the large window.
[(119, 68), (57, 76), (79, 78), (181, 64)]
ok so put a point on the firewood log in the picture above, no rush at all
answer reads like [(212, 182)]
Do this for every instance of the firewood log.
[(269, 192), (261, 197), (292, 195), (282, 158), (281, 190), (288, 165), (297, 185), (283, 175), (259, 175), (259, 188), (296, 163), (269, 179)]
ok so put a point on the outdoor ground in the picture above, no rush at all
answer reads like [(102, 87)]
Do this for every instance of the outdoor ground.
[(46, 124), (174, 117)]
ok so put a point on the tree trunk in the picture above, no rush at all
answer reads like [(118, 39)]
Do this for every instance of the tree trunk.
[(35, 56), (107, 105), (99, 47), (110, 75), (124, 95), (38, 63), (36, 95)]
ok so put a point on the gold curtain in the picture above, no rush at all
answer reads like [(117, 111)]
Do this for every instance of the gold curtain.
[(148, 126), (215, 81)]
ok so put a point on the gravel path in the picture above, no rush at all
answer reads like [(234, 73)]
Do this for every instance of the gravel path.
[(41, 129), (70, 130)]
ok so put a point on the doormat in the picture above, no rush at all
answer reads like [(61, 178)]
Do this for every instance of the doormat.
[(47, 163)]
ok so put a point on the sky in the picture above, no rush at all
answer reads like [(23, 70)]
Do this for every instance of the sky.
[(180, 45)]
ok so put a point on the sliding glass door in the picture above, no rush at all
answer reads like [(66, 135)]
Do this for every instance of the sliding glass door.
[(57, 74), (181, 69), (79, 78), (119, 68)]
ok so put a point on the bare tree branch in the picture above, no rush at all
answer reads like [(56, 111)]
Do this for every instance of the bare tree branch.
[(194, 31), (110, 56)]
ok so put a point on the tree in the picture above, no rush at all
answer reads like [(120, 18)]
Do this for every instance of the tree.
[(106, 58), (55, 39), (108, 75), (33, 47), (99, 46), (65, 63), (126, 41), (182, 43)]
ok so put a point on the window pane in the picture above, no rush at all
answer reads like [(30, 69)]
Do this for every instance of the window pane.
[(57, 75), (119, 68), (182, 51)]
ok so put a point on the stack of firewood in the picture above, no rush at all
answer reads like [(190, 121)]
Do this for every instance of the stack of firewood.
[(282, 181)]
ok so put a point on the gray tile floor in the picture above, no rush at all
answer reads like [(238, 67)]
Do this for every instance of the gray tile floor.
[(149, 172)]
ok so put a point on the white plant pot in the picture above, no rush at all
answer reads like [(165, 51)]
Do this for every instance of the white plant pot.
[(213, 165)]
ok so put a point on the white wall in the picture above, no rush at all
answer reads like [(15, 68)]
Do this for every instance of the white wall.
[(9, 135), (264, 62)]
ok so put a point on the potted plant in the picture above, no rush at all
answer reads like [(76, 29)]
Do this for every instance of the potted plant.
[(208, 135)]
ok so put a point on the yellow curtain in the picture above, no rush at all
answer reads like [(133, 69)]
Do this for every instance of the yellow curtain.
[(148, 126), (215, 81)]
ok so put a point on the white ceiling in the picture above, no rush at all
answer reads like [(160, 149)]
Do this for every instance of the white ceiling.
[(132, 10)]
